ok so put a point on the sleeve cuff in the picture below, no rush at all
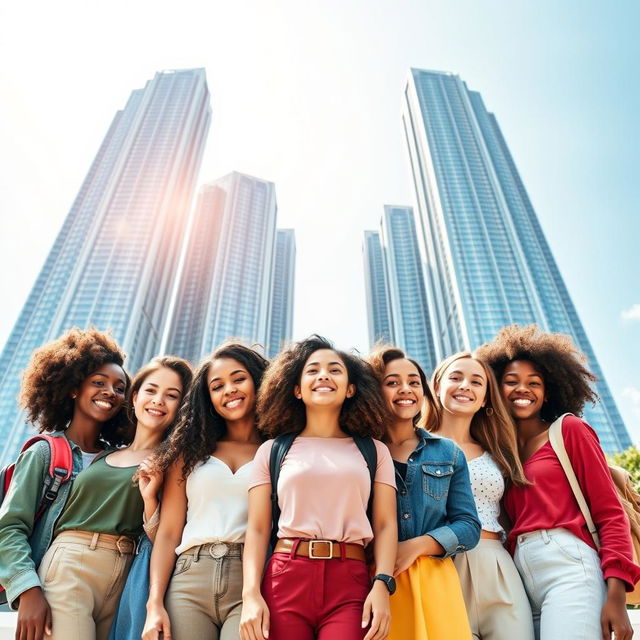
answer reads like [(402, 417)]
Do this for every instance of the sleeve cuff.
[(448, 540), (19, 584)]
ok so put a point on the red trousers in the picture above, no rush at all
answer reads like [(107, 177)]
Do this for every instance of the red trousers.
[(315, 599)]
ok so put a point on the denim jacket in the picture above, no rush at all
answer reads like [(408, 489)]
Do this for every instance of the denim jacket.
[(23, 543), (436, 497)]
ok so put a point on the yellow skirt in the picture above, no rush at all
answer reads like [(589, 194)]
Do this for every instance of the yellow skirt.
[(428, 603)]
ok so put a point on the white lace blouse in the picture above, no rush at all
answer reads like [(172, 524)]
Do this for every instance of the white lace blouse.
[(487, 485)]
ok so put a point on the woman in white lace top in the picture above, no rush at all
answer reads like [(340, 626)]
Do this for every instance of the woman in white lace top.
[(473, 415)]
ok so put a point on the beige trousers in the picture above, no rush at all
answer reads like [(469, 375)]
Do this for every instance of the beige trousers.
[(496, 601), (204, 599), (82, 576)]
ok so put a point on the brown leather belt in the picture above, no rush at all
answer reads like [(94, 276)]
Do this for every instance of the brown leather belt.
[(321, 549)]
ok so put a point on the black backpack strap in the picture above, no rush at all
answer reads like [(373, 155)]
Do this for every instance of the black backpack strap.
[(370, 454), (281, 446)]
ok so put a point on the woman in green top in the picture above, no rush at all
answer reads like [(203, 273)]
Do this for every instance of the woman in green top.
[(85, 569), (73, 388)]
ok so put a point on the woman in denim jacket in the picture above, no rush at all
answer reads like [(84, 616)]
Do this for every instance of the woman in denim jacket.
[(437, 515)]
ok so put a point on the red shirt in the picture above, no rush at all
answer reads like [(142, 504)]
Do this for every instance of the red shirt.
[(549, 502)]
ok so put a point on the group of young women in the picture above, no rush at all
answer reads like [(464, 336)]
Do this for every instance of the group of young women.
[(321, 495)]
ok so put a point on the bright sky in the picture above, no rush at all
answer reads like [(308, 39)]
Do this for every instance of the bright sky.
[(308, 95)]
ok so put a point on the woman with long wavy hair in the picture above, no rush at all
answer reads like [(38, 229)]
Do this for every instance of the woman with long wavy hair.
[(472, 414), (317, 584), (196, 573)]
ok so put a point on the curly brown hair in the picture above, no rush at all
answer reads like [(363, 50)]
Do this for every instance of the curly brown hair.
[(199, 427), (279, 411), (381, 355), (492, 425), (180, 366), (563, 367), (58, 368)]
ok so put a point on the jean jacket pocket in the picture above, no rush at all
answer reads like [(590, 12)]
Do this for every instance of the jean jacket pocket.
[(436, 477)]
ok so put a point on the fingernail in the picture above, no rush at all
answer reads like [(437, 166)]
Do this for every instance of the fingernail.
[(364, 624)]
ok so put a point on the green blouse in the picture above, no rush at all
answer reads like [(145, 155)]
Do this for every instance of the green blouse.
[(103, 499)]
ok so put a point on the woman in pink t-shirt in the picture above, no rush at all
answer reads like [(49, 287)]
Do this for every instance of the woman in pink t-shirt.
[(317, 583)]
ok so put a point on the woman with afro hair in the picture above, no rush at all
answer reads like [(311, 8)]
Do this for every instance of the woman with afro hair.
[(317, 583), (73, 388), (575, 590)]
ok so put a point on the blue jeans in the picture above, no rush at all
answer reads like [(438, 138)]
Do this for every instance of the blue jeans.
[(563, 579), (132, 610)]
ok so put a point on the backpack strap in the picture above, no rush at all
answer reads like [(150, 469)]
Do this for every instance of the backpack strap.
[(60, 468), (557, 443), (367, 448), (279, 450)]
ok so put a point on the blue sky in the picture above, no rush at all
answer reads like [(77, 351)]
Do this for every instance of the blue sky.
[(308, 94)]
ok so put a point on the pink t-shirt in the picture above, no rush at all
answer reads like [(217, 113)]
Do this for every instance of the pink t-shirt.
[(323, 488)]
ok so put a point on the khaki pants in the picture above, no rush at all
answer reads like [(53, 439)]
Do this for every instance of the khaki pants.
[(496, 601), (82, 576), (204, 599)]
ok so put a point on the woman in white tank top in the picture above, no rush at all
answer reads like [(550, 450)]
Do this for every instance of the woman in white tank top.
[(473, 415), (196, 564)]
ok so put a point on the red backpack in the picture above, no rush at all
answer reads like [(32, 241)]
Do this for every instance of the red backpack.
[(60, 468)]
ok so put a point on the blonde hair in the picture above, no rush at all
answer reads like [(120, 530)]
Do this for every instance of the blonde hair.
[(492, 425)]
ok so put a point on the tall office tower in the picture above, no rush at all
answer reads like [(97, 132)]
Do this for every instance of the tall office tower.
[(114, 261), (395, 286), (488, 263), (227, 282), (375, 282), (282, 291)]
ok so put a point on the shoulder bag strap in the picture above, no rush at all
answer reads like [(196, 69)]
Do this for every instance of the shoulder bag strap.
[(557, 443), (369, 452)]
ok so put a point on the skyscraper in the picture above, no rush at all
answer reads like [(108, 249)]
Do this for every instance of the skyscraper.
[(375, 282), (113, 264), (395, 286), (488, 263), (227, 287), (282, 291)]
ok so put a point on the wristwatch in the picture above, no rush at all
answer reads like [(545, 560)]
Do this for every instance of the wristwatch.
[(389, 582)]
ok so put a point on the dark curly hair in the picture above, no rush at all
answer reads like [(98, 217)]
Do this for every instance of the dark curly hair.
[(180, 366), (381, 355), (279, 411), (60, 367), (563, 367), (199, 427)]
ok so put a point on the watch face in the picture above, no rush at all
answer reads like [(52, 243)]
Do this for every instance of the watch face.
[(389, 582)]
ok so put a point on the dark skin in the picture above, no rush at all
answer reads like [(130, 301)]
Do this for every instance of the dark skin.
[(523, 390), (97, 400)]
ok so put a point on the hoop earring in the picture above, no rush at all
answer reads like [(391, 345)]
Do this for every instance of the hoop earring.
[(489, 411)]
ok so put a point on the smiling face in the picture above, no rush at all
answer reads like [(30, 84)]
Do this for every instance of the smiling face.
[(157, 401), (101, 394), (324, 381), (231, 389), (462, 388), (402, 389), (522, 388)]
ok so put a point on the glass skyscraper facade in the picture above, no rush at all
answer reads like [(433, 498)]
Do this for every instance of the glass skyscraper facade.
[(282, 291), (396, 296), (487, 261), (229, 269), (113, 263)]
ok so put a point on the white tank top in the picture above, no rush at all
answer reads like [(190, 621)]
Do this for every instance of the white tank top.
[(487, 485), (217, 504)]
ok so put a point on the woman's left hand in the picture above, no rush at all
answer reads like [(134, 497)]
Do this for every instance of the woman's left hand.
[(614, 618), (149, 481), (376, 610)]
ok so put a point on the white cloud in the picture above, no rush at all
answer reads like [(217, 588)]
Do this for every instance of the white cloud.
[(632, 314)]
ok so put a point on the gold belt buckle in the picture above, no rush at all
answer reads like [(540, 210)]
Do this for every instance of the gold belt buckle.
[(312, 553)]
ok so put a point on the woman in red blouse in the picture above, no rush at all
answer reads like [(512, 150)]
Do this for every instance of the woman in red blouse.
[(576, 592)]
